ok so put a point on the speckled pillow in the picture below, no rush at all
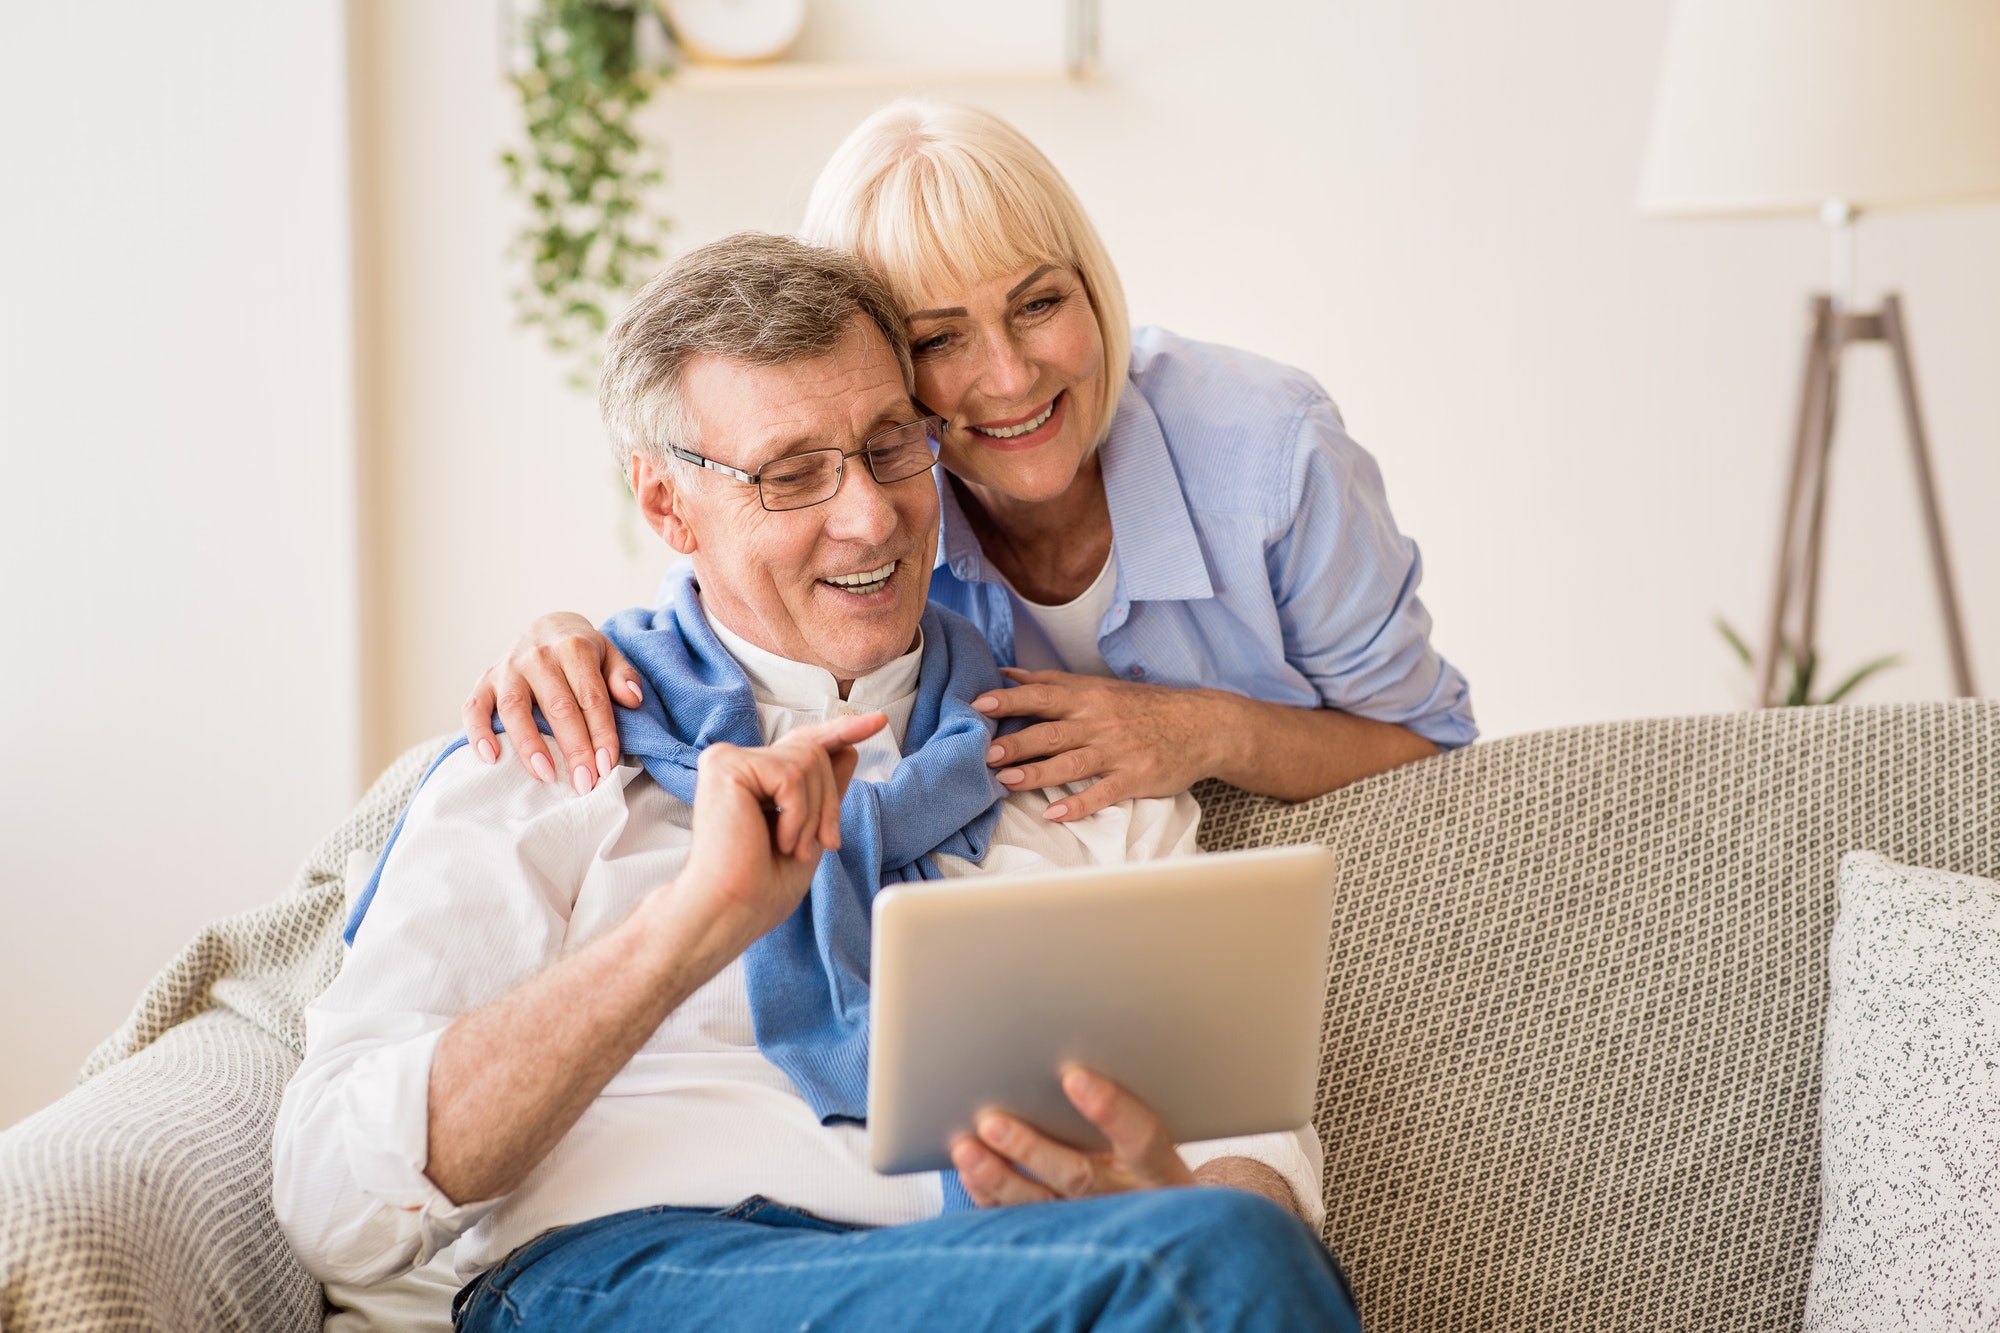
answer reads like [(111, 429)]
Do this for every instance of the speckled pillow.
[(1910, 1104)]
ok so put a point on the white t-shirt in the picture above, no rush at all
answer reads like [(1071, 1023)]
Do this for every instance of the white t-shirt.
[(1064, 638)]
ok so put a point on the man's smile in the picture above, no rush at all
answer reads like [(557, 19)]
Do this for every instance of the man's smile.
[(864, 583)]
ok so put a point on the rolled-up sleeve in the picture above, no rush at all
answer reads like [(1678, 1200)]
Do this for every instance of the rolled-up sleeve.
[(474, 898), (1345, 581), (349, 1184)]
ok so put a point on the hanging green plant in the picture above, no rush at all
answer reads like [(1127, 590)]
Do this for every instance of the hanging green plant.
[(584, 174)]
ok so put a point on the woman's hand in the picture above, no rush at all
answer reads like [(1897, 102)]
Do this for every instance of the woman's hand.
[(1136, 740), (1153, 740), (563, 664), (1010, 1162)]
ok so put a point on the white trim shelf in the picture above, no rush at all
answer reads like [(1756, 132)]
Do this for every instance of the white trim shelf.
[(781, 74)]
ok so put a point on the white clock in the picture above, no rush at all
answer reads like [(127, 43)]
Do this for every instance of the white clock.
[(735, 30)]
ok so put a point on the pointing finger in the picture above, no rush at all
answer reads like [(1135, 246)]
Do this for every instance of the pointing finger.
[(836, 732)]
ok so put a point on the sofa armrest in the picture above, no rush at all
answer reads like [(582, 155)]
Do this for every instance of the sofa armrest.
[(142, 1199)]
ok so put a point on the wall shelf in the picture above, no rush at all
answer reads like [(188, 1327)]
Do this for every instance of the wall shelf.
[(1079, 62), (783, 74)]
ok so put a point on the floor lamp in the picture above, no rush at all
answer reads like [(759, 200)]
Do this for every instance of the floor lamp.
[(1834, 108)]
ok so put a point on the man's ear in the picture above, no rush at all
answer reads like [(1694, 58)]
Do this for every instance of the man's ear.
[(663, 502)]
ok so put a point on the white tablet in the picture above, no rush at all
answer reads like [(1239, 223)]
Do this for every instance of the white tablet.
[(1196, 982)]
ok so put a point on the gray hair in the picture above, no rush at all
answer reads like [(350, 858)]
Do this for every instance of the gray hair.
[(761, 299)]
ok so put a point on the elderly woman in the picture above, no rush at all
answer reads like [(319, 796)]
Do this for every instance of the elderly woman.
[(1187, 566)]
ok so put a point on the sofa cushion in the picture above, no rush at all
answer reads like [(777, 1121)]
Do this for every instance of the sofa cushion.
[(1910, 1110), (1570, 1073)]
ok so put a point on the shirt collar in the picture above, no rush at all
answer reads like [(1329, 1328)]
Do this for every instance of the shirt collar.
[(1152, 534), (783, 683)]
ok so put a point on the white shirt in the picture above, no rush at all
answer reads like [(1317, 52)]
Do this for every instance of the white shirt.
[(1064, 638), (495, 877)]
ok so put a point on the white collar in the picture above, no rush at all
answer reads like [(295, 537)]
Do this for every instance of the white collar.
[(781, 682)]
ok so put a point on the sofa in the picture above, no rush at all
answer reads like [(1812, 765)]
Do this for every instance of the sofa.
[(1570, 1060)]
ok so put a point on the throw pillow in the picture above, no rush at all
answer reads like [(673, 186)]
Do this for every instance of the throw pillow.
[(1910, 1104)]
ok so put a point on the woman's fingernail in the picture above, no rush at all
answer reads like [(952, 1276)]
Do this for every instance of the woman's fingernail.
[(984, 704), (603, 763), (1009, 776), (632, 691), (994, 1130), (580, 779), (487, 752), (1058, 811), (544, 770), (995, 755)]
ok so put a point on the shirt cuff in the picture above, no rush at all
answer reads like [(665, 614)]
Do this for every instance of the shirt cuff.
[(385, 1134), (1293, 1154)]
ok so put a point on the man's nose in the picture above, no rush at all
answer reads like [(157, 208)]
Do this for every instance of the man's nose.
[(860, 510)]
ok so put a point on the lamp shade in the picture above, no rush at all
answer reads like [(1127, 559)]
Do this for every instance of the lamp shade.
[(1778, 106)]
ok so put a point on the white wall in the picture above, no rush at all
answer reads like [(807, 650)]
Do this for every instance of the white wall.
[(176, 519), (1582, 417)]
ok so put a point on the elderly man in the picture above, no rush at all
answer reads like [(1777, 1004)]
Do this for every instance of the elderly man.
[(609, 1043)]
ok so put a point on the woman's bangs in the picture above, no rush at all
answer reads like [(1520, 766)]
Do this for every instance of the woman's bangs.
[(942, 225)]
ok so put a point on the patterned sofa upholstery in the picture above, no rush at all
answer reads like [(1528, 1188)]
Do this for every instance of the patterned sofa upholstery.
[(1570, 1064)]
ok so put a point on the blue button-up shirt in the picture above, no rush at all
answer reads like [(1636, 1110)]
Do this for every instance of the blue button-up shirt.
[(1255, 549)]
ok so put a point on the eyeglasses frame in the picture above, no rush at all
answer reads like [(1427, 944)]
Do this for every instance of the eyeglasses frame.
[(933, 430)]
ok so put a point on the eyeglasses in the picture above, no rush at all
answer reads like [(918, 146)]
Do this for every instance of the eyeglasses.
[(800, 481)]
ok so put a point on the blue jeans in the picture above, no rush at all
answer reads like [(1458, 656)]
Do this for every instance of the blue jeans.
[(1185, 1259)]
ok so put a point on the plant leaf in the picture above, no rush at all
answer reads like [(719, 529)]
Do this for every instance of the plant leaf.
[(1859, 674), (1800, 693), (1729, 633)]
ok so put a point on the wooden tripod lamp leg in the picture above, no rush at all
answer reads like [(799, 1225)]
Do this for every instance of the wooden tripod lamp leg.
[(1894, 333), (1805, 636), (1808, 475)]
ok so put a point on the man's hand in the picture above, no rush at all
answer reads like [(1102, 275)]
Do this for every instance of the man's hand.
[(508, 1080), (1010, 1162), (761, 819)]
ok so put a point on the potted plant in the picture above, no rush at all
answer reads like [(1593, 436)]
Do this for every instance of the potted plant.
[(584, 174)]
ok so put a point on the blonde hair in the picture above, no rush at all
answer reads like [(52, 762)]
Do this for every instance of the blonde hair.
[(937, 197)]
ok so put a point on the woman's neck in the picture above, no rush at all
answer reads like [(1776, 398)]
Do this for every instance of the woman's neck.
[(1051, 550)]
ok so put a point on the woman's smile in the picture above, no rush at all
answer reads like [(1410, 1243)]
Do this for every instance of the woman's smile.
[(1027, 432)]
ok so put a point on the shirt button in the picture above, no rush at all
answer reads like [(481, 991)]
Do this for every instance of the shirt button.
[(1138, 671)]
